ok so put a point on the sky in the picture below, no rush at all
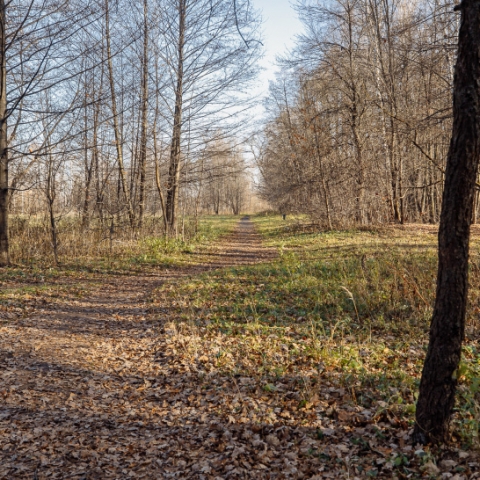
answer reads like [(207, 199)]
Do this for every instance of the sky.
[(280, 26)]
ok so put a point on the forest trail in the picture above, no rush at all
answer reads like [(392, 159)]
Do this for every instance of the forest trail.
[(82, 392)]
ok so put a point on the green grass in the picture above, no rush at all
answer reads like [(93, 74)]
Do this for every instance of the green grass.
[(153, 250), (34, 279), (351, 308)]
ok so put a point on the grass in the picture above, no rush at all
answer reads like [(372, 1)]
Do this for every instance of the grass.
[(155, 250), (100, 249), (33, 278), (348, 309), (324, 343)]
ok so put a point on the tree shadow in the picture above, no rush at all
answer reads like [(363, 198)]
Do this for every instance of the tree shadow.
[(61, 422)]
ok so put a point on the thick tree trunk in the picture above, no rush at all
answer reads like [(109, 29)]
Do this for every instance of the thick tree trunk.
[(4, 258), (439, 377)]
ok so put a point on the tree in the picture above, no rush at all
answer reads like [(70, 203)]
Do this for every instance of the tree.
[(361, 134), (36, 45), (210, 64), (4, 259), (115, 117), (439, 376)]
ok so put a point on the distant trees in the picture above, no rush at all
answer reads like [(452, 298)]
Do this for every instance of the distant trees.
[(121, 108), (360, 117), (207, 62), (227, 185)]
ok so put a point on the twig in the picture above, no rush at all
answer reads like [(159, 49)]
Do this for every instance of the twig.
[(238, 27)]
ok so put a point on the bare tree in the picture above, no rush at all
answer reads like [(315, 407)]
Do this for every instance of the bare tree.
[(35, 52), (4, 258), (359, 135), (209, 63), (439, 377)]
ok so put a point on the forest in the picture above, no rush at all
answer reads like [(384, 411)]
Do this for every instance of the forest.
[(200, 280), (361, 118), (113, 119)]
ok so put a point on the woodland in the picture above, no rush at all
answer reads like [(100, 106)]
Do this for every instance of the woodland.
[(192, 289)]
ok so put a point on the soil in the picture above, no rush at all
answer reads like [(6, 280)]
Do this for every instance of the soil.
[(103, 379), (84, 395)]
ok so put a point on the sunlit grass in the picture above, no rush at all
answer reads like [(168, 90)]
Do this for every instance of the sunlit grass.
[(349, 307), (33, 275), (100, 250)]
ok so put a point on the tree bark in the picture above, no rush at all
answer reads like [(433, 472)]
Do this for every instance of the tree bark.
[(175, 150), (4, 257), (439, 377), (143, 140)]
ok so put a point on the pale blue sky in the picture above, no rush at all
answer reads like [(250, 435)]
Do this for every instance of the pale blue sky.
[(281, 24)]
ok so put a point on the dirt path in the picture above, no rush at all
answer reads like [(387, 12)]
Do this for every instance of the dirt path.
[(83, 395), (242, 248), (137, 380)]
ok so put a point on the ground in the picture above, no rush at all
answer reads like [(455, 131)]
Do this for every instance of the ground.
[(267, 356)]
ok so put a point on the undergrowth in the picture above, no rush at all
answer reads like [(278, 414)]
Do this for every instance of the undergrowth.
[(33, 278), (349, 308), (111, 246)]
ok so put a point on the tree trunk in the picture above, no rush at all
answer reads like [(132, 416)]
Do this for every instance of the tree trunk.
[(99, 184), (155, 153), (360, 180), (354, 123), (159, 183), (175, 150), (322, 173), (4, 258), (116, 126), (439, 377), (88, 170), (143, 140), (53, 230)]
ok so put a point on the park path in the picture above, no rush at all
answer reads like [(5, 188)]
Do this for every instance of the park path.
[(82, 395), (125, 381)]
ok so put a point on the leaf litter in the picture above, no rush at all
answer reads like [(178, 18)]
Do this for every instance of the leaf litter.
[(132, 380)]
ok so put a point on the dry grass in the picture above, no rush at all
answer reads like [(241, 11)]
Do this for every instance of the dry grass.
[(339, 310), (111, 245)]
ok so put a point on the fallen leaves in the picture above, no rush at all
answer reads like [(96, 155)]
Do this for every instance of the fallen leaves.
[(121, 383)]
